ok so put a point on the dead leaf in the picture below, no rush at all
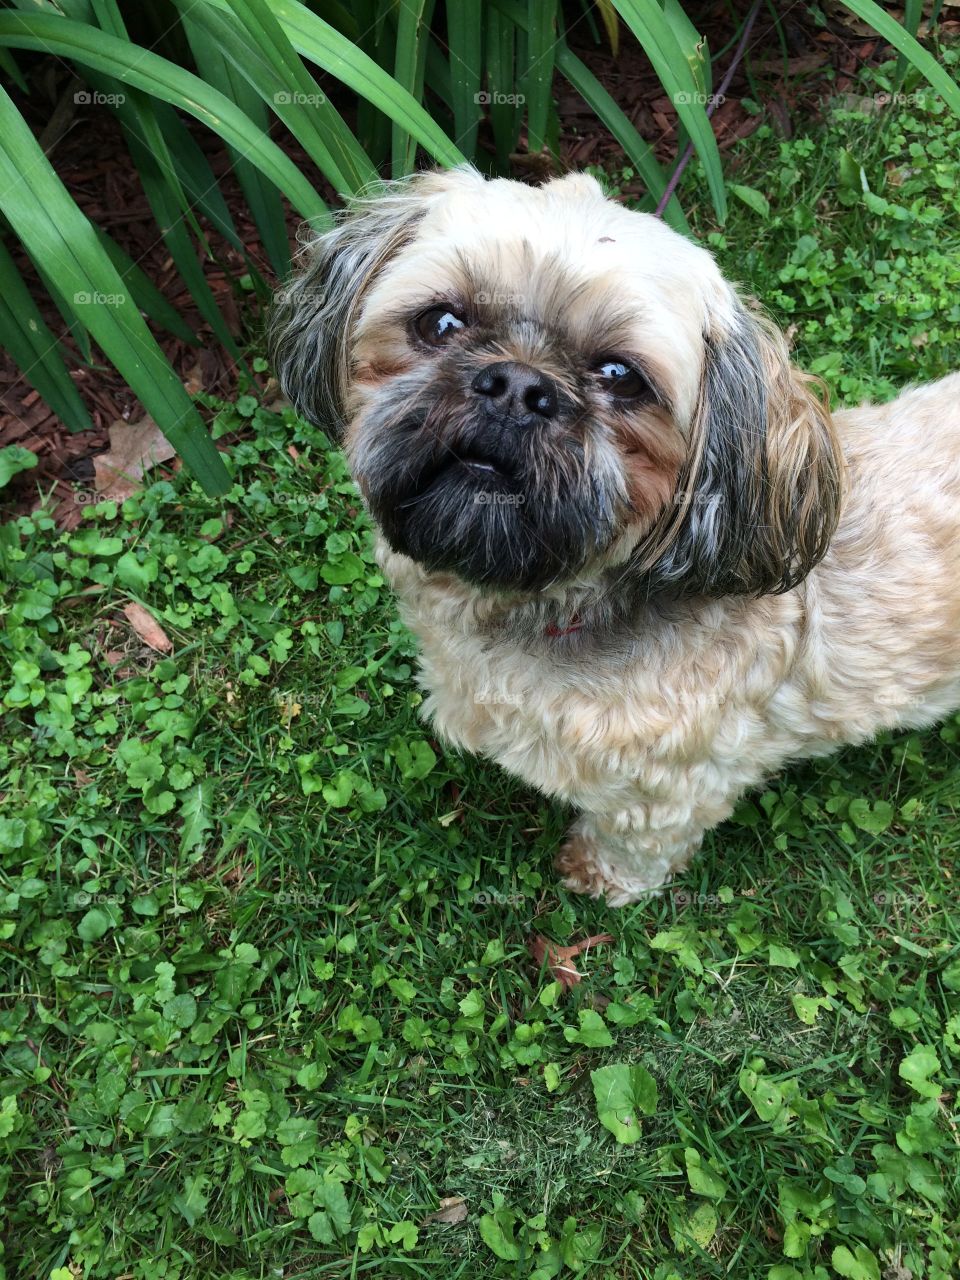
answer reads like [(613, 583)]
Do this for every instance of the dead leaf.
[(135, 447), (560, 959), (289, 708), (272, 399), (193, 380), (453, 1209), (147, 628)]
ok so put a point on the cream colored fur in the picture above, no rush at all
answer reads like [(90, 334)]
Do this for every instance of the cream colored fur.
[(655, 736), (716, 696)]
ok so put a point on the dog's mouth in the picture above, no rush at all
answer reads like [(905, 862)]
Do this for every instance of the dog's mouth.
[(501, 508), (486, 463), (479, 464)]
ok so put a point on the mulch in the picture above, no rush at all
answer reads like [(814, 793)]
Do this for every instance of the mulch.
[(88, 150)]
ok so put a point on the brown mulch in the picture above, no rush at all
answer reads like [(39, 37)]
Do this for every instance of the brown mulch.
[(90, 155)]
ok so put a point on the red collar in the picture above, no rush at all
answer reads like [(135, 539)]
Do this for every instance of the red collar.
[(553, 631)]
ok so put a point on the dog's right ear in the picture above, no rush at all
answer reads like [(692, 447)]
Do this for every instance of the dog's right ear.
[(311, 322)]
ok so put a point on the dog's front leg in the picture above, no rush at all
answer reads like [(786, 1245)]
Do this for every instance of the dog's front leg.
[(628, 855)]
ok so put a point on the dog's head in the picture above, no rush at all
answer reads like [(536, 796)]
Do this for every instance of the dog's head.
[(537, 385)]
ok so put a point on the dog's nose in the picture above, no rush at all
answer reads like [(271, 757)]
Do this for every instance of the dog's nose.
[(517, 389)]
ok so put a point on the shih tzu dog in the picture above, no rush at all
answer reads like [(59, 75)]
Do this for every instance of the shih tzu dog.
[(645, 565)]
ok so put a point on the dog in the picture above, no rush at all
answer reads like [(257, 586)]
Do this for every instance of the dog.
[(645, 564)]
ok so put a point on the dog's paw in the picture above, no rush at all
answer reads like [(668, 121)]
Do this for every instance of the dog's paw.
[(585, 870)]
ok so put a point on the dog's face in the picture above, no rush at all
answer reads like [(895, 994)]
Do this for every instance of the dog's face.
[(539, 386)]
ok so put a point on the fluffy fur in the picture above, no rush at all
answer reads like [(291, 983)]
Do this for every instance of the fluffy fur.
[(644, 606)]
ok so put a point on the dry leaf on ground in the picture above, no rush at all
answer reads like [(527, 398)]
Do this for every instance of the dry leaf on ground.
[(560, 959), (147, 628), (453, 1209), (135, 447)]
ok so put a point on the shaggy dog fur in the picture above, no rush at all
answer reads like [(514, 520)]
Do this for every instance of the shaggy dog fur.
[(645, 565)]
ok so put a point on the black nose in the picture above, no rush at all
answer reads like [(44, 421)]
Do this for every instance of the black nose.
[(517, 389)]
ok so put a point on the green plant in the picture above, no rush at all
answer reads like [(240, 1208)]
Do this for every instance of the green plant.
[(267, 995), (423, 76)]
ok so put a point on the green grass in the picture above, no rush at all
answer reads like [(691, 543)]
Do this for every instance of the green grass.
[(266, 991)]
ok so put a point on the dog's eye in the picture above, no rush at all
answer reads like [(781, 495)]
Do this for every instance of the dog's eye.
[(437, 324), (620, 380)]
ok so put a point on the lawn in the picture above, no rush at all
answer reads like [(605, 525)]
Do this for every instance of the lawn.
[(269, 1006)]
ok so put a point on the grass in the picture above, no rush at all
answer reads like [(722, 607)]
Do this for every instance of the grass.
[(267, 999)]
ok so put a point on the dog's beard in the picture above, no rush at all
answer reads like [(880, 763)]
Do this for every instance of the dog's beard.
[(501, 503)]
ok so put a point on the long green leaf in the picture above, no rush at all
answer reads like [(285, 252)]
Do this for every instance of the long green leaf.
[(912, 15), (194, 174), (174, 178), (296, 108), (178, 160), (138, 66), (692, 44), (646, 20), (297, 98), (538, 75), (144, 292), (67, 312), (901, 39), (413, 35), (437, 77), (153, 168), (465, 42), (500, 58), (34, 349), (54, 231), (319, 42), (9, 68), (159, 168), (372, 33), (639, 152), (262, 196)]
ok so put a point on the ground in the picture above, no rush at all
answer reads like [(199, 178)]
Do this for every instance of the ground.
[(271, 996)]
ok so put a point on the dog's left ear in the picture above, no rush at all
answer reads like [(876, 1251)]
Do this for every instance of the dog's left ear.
[(759, 497), (311, 322)]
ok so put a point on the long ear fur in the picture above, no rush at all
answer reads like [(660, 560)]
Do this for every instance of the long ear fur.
[(760, 496), (311, 322)]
